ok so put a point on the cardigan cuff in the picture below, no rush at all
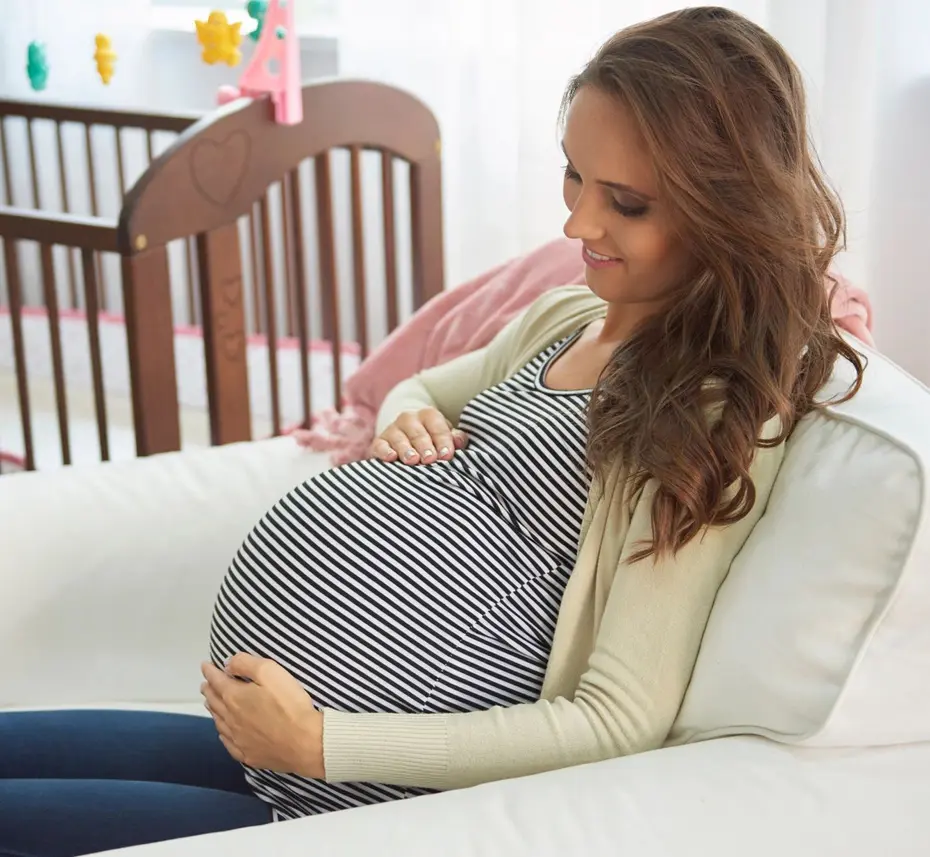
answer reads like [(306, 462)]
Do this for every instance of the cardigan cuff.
[(396, 749)]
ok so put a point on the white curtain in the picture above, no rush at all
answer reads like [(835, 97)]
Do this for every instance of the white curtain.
[(494, 70)]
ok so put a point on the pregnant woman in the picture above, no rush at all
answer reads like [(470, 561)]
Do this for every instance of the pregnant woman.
[(519, 577)]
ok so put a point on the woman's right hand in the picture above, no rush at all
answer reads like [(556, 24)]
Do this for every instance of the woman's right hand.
[(418, 437)]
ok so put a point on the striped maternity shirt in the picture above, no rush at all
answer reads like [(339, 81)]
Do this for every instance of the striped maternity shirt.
[(434, 588)]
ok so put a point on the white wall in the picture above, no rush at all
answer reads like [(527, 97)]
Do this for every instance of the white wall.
[(68, 29), (899, 249), (493, 71), (868, 74)]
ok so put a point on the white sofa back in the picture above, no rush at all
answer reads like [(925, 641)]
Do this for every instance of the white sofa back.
[(108, 573), (821, 633)]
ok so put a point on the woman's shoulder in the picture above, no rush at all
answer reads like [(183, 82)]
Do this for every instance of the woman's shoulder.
[(565, 301), (556, 314)]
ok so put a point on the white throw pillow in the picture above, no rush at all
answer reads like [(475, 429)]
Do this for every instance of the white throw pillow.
[(820, 634)]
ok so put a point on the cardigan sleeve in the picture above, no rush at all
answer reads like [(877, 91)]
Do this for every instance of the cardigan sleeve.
[(448, 388), (452, 385), (626, 700)]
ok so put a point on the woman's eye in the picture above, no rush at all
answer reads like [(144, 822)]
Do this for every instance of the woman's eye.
[(635, 210), (627, 209)]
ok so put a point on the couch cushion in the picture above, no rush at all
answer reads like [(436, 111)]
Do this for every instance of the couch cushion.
[(821, 633)]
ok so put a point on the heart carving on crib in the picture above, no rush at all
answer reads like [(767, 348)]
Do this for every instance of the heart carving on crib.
[(218, 169)]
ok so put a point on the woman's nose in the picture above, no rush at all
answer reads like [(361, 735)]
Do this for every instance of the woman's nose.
[(584, 220)]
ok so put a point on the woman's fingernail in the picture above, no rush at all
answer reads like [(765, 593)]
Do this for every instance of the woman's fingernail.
[(428, 453), (409, 454), (444, 452)]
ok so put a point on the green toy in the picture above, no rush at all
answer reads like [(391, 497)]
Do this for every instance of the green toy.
[(256, 10), (37, 66)]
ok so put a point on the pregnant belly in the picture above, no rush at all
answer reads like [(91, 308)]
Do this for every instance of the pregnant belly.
[(372, 582)]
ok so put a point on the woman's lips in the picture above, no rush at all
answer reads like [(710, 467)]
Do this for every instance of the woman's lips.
[(598, 260)]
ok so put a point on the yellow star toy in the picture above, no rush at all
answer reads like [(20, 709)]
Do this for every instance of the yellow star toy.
[(220, 39)]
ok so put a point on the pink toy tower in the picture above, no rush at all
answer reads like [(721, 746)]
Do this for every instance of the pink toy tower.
[(277, 45)]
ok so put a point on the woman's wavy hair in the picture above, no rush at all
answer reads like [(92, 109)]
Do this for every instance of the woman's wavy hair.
[(722, 109)]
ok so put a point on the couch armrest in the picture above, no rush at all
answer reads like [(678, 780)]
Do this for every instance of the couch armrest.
[(108, 573), (727, 798)]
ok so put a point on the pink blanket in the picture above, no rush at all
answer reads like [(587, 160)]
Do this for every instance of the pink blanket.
[(465, 319)]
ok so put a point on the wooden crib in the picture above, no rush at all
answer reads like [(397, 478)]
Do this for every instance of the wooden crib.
[(287, 241)]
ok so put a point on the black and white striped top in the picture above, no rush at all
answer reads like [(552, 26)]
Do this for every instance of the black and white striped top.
[(390, 588)]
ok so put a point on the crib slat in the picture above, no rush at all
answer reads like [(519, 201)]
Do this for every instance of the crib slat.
[(7, 176), (66, 207), (328, 280), (94, 210), (189, 244), (358, 249), (256, 275), (33, 172), (50, 293), (224, 336), (288, 263), (425, 185), (322, 201), (271, 321), (149, 147), (101, 283), (96, 362), (62, 169), (120, 164), (390, 245), (14, 287), (91, 171), (301, 296), (150, 340)]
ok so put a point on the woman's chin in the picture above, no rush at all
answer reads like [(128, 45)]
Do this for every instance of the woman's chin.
[(605, 283)]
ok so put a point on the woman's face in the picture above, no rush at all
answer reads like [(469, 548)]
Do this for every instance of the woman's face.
[(631, 253)]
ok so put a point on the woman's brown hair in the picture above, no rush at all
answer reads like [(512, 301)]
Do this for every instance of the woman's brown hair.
[(722, 109)]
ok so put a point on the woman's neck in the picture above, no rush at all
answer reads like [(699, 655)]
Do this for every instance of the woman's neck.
[(622, 319)]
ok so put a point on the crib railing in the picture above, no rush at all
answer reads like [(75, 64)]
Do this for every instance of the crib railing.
[(214, 176), (88, 236), (331, 229), (81, 160)]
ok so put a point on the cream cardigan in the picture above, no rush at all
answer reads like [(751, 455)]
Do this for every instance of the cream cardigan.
[(627, 635)]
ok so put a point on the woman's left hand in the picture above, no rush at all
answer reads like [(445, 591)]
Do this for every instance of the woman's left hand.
[(267, 722)]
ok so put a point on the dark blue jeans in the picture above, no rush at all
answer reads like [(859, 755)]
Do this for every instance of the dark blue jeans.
[(75, 782)]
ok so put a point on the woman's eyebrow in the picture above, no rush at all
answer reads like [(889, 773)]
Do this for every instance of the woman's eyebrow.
[(625, 188)]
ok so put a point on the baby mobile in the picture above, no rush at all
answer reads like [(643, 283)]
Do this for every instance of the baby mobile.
[(274, 69), (37, 65)]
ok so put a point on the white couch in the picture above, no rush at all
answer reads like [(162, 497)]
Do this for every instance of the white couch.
[(805, 732)]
